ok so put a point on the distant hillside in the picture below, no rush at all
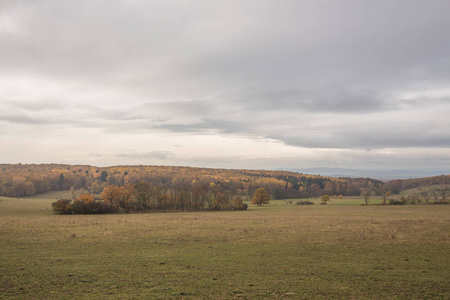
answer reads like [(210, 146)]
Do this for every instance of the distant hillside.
[(19, 180), (417, 182), (384, 175)]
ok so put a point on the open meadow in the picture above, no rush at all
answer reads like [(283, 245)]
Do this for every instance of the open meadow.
[(275, 251)]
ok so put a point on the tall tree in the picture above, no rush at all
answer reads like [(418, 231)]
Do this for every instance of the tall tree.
[(103, 176), (443, 191), (261, 197), (61, 182), (143, 193), (111, 195), (385, 192), (126, 198), (366, 193), (423, 191)]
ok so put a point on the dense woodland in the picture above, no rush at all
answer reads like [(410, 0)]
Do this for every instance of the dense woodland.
[(186, 188), (25, 180)]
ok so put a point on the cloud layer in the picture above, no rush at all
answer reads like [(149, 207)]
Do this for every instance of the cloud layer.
[(226, 84)]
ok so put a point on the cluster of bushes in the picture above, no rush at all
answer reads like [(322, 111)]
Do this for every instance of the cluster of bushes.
[(67, 206), (305, 202), (414, 200), (144, 197), (238, 204), (85, 204), (397, 202)]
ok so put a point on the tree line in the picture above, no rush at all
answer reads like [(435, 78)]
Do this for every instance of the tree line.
[(27, 180), (188, 187), (145, 197)]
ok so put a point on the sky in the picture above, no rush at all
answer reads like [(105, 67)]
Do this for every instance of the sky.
[(226, 84)]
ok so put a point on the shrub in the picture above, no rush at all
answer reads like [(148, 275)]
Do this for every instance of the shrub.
[(396, 202), (304, 202), (412, 200), (66, 206), (95, 207), (238, 204), (99, 207), (62, 206), (440, 202), (325, 199)]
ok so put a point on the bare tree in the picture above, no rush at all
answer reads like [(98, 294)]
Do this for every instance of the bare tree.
[(443, 190), (366, 193), (385, 192), (144, 192), (434, 192), (424, 192)]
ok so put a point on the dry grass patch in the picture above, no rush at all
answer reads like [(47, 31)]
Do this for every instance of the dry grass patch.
[(301, 252)]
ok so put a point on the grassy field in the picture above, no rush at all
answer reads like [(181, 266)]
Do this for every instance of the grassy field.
[(275, 251)]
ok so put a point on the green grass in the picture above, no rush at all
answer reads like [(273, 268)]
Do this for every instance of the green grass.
[(348, 200), (412, 191), (35, 205), (276, 251)]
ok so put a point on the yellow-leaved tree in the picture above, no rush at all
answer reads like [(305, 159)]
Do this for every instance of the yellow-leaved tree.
[(261, 197)]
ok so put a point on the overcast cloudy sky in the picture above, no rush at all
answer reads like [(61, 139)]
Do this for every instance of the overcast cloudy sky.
[(233, 84)]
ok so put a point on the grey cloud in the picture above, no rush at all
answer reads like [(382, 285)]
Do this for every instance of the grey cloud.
[(187, 48), (35, 106), (294, 71), (413, 129), (42, 112), (207, 126), (324, 100), (372, 160), (422, 102), (37, 112), (368, 140), (190, 107), (21, 119), (345, 101), (161, 155), (28, 112)]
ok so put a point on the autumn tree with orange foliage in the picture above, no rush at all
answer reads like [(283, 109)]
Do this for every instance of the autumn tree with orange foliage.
[(261, 197), (85, 198), (144, 193), (126, 200), (111, 195)]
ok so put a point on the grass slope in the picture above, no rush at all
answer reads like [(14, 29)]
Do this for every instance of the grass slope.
[(279, 250)]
